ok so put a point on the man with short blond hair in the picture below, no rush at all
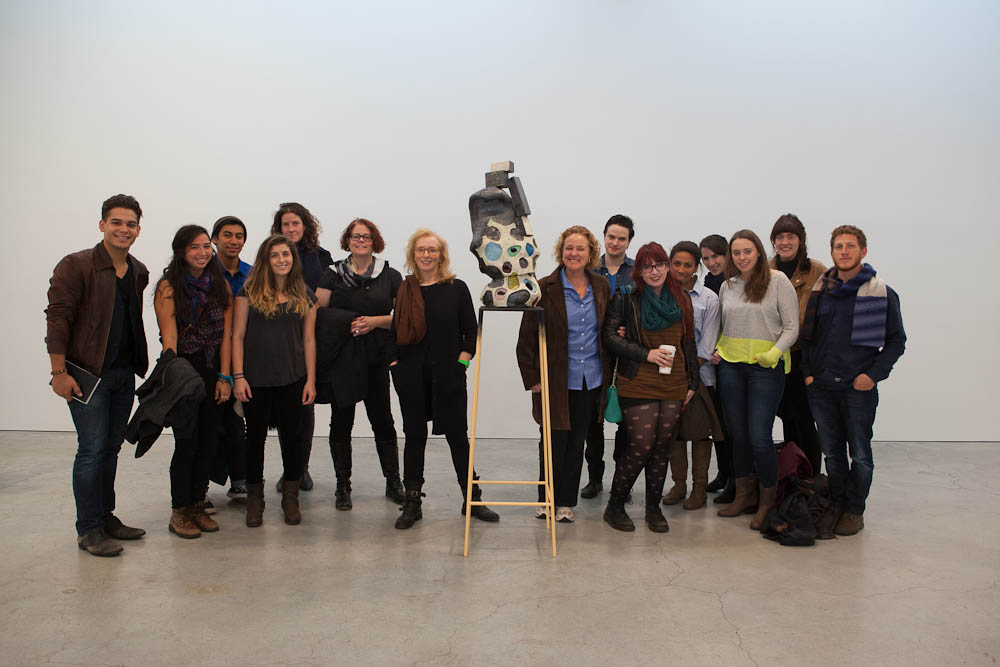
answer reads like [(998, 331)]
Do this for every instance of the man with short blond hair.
[(852, 335)]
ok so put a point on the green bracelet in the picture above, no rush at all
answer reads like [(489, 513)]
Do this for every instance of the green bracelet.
[(226, 378), (464, 362)]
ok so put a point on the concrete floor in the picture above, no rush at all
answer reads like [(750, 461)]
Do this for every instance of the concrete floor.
[(917, 586)]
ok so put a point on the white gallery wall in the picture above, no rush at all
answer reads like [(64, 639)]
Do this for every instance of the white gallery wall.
[(691, 117)]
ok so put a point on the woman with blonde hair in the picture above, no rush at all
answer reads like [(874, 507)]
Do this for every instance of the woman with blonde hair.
[(434, 326), (575, 300), (274, 367)]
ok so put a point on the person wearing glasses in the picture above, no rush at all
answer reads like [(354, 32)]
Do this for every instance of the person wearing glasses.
[(364, 288), (434, 324), (657, 375)]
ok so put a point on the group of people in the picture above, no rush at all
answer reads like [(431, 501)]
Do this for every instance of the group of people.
[(249, 347)]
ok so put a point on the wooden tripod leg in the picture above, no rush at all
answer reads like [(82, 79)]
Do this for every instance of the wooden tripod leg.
[(543, 358), (472, 433)]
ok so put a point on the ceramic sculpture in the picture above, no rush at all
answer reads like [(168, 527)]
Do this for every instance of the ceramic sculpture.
[(502, 240)]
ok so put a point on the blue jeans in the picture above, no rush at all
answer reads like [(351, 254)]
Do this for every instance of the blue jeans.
[(100, 430), (750, 396), (846, 416)]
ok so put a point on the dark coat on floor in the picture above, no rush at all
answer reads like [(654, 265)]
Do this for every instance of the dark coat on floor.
[(170, 397), (557, 345)]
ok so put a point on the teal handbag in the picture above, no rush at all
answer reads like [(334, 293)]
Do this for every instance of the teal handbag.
[(613, 409)]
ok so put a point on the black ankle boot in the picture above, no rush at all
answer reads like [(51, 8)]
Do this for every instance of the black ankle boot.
[(616, 516), (411, 507), (394, 490), (728, 494), (654, 516), (481, 512), (717, 484), (342, 496)]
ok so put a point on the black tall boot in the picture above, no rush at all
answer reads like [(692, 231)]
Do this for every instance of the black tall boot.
[(388, 458), (481, 512), (411, 506), (341, 453)]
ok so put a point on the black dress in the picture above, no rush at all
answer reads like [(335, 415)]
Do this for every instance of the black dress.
[(431, 383)]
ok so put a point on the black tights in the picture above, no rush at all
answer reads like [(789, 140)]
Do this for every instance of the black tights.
[(650, 431)]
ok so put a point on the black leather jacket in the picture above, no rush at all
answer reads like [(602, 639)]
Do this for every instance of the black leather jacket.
[(630, 353)]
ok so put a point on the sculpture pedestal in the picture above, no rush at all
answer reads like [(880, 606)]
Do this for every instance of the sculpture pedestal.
[(546, 482)]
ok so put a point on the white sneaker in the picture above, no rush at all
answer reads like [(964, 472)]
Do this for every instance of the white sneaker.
[(539, 512), (564, 514)]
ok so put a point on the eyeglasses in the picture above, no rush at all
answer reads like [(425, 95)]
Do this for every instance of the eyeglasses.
[(659, 266), (426, 251), (361, 237)]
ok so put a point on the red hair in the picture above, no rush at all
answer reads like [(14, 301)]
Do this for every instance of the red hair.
[(653, 253)]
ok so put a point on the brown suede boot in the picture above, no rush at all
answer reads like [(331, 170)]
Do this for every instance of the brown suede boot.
[(678, 472), (180, 524), (745, 500), (290, 502), (701, 457), (255, 504), (200, 518), (767, 498)]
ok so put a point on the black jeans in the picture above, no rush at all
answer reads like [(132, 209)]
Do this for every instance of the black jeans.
[(594, 452), (723, 448), (415, 408), (192, 459), (280, 406), (376, 405), (234, 439), (796, 417), (567, 448)]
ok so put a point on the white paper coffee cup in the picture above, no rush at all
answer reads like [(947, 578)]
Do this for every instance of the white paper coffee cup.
[(665, 370)]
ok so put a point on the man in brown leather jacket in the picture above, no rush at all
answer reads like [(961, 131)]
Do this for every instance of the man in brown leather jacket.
[(94, 320)]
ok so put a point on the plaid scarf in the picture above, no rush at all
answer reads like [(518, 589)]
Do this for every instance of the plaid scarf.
[(870, 305), (206, 323)]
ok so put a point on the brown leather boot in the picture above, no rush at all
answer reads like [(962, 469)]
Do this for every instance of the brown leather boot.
[(701, 457), (745, 500), (200, 518), (255, 504), (678, 472), (767, 498), (181, 526), (290, 502)]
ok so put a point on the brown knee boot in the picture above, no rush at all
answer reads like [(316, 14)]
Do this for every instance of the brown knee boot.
[(701, 456), (290, 502), (678, 472), (255, 504), (768, 495), (746, 497)]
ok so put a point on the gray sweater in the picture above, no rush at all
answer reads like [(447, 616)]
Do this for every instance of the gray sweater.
[(750, 328)]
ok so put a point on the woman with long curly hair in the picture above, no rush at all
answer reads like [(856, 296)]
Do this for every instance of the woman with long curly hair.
[(297, 223), (274, 367), (194, 310)]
